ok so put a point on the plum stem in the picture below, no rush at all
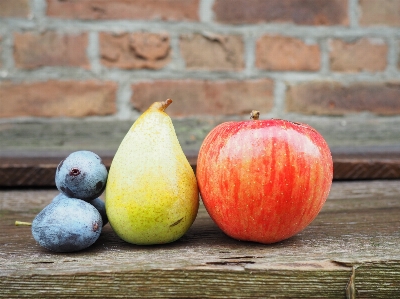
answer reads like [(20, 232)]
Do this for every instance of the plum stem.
[(22, 223)]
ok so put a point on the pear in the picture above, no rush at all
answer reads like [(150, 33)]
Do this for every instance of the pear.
[(151, 194)]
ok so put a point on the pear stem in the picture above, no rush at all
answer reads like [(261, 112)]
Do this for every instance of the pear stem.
[(161, 106), (166, 103), (22, 223), (254, 115)]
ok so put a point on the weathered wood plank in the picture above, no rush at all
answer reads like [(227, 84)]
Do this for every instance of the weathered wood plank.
[(366, 162), (29, 151), (107, 135), (37, 169), (359, 227)]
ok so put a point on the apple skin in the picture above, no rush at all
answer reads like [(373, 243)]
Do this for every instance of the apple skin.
[(264, 180)]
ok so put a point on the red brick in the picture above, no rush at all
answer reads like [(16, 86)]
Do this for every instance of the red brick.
[(365, 54), (135, 50), (333, 98), (303, 12), (212, 51), (196, 97), (14, 8), (379, 12), (281, 53), (34, 50), (170, 10), (57, 99)]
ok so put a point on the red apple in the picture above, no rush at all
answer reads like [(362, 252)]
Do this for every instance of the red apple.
[(264, 180)]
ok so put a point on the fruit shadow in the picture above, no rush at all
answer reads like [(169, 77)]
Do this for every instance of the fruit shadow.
[(203, 234)]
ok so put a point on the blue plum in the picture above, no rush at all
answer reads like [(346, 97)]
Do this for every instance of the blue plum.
[(97, 203), (67, 225), (101, 207), (81, 175), (60, 196)]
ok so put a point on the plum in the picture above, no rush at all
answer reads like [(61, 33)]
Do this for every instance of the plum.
[(67, 225), (101, 207), (97, 203), (81, 175), (60, 196)]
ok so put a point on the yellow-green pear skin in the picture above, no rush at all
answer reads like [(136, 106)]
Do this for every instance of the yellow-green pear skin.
[(151, 194)]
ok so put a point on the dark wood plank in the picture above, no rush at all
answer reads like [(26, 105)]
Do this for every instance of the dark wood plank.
[(366, 163), (364, 149), (358, 228), (37, 169)]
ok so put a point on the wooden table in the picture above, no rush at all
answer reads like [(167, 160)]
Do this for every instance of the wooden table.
[(352, 249)]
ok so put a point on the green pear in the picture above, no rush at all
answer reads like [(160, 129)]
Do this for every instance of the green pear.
[(151, 194)]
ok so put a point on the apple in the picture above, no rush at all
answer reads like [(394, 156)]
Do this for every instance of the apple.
[(264, 180)]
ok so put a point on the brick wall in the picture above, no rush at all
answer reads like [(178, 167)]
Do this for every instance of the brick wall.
[(111, 59)]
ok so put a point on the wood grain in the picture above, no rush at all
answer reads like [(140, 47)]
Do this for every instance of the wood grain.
[(366, 162), (362, 148), (358, 227), (37, 169)]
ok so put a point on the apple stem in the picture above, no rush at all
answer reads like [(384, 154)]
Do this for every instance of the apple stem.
[(160, 106), (254, 115)]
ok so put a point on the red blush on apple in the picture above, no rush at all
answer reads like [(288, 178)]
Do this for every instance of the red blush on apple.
[(264, 180)]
